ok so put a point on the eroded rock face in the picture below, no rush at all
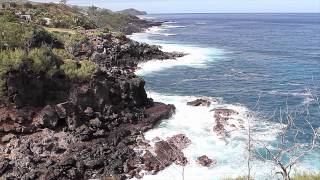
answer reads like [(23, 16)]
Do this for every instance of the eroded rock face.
[(205, 161), (200, 102)]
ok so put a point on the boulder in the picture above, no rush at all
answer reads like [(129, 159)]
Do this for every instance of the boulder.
[(205, 161), (168, 154), (225, 112), (7, 138), (199, 102), (180, 141), (48, 117)]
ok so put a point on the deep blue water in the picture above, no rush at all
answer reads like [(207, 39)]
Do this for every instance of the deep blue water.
[(272, 56), (262, 61)]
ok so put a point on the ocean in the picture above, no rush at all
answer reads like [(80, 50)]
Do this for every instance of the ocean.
[(260, 65)]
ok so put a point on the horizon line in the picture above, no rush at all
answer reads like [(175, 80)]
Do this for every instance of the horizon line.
[(234, 13)]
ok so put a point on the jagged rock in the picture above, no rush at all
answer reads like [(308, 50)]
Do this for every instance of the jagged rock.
[(7, 138), (48, 117), (181, 141), (199, 102), (205, 161), (221, 117), (225, 112), (83, 129), (4, 165), (167, 154)]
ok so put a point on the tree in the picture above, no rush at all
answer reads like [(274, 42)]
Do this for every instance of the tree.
[(287, 152)]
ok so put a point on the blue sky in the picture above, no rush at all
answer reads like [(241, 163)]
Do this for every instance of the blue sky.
[(206, 6)]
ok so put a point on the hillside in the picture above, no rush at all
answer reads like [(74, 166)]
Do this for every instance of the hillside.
[(133, 12), (75, 17)]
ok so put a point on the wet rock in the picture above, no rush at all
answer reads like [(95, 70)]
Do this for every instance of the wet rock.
[(205, 161), (154, 114), (221, 118), (225, 112), (200, 102), (167, 154), (180, 141)]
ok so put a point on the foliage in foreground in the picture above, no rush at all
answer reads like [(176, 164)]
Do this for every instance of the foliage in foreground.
[(42, 61), (307, 176)]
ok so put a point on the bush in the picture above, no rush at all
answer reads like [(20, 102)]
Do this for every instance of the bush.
[(307, 176), (76, 43), (119, 35), (13, 34), (42, 37), (79, 70), (9, 60), (62, 54), (44, 60)]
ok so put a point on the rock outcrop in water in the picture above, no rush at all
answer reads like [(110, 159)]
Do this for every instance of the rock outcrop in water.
[(205, 161), (221, 119), (108, 49), (199, 102)]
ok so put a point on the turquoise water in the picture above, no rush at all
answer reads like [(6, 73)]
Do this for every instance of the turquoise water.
[(260, 62)]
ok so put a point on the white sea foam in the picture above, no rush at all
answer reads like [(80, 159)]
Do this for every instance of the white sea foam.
[(197, 57), (197, 124)]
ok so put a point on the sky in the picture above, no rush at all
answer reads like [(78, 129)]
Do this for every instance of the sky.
[(206, 6)]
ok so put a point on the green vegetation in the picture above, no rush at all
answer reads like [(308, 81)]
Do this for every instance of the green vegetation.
[(76, 39), (62, 54), (119, 35), (9, 60), (13, 33), (110, 20), (54, 15), (238, 178), (307, 176), (44, 60), (83, 69)]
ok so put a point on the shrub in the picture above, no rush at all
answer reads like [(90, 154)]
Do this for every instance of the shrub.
[(62, 54), (119, 35), (42, 37), (9, 60), (13, 34), (307, 176), (76, 42), (79, 70), (44, 60)]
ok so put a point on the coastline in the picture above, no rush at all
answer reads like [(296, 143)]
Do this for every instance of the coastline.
[(108, 106), (230, 161), (91, 129)]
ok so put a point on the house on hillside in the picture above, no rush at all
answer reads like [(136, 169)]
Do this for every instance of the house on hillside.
[(47, 21)]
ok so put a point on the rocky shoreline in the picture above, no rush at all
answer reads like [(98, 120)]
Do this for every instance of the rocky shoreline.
[(58, 128)]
